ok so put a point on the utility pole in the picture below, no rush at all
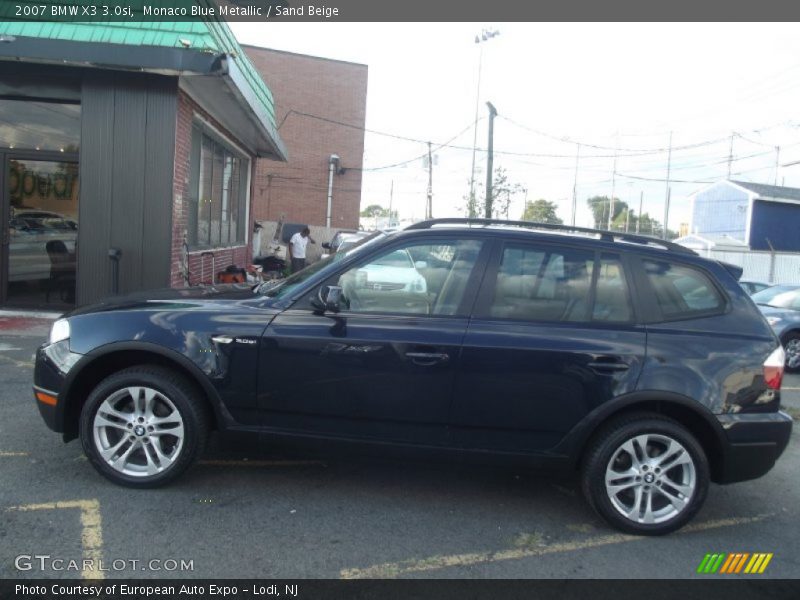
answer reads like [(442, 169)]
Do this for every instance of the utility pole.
[(485, 35), (777, 163), (666, 198), (730, 155), (429, 207), (391, 197), (575, 185), (627, 218), (490, 160), (639, 218), (613, 185)]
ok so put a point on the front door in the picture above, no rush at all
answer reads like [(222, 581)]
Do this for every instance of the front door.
[(384, 366), (554, 335), (39, 230)]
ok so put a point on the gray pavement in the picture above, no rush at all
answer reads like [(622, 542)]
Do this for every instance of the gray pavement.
[(250, 513)]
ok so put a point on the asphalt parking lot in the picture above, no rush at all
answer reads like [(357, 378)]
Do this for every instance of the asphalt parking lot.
[(257, 513)]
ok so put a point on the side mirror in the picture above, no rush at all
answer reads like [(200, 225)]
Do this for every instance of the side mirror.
[(420, 264), (327, 299), (326, 245)]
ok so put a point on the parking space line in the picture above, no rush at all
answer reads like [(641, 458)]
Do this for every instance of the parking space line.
[(263, 463), (3, 453), (91, 530), (16, 363), (432, 563)]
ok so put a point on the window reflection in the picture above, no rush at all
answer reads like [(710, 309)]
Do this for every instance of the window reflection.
[(40, 125)]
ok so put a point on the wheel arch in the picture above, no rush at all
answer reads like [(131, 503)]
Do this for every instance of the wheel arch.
[(687, 412), (108, 359)]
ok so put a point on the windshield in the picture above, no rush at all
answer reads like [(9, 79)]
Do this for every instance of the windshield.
[(280, 288), (779, 296)]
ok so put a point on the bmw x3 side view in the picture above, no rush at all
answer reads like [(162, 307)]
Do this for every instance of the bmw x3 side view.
[(631, 361)]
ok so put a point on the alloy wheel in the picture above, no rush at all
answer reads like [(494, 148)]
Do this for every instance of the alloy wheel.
[(792, 350), (138, 431), (650, 478)]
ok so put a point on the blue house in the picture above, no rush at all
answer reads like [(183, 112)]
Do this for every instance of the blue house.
[(764, 217)]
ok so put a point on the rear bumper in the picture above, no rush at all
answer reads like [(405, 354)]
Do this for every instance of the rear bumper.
[(754, 443)]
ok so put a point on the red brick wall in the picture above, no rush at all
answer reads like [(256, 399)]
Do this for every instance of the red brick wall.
[(298, 189), (236, 255)]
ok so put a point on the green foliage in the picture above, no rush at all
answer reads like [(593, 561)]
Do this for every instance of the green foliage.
[(541, 211)]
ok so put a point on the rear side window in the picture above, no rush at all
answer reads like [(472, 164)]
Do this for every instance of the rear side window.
[(612, 302), (538, 284), (682, 291)]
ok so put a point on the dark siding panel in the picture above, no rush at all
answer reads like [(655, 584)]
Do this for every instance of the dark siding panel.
[(130, 117), (127, 161), (94, 209), (162, 107), (777, 222)]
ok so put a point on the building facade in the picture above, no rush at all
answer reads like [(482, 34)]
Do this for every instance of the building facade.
[(129, 155), (762, 217), (321, 112)]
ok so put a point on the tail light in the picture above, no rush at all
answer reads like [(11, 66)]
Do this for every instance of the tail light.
[(773, 368)]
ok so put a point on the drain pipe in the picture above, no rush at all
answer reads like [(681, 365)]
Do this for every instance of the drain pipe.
[(333, 166)]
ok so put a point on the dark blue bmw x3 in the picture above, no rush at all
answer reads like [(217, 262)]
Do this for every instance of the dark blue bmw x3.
[(628, 359)]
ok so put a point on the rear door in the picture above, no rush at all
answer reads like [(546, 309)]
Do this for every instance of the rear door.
[(553, 336), (384, 366)]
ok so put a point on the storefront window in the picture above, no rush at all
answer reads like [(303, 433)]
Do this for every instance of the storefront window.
[(28, 125), (219, 194)]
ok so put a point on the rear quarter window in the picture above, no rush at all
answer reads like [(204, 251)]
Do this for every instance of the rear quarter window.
[(682, 291)]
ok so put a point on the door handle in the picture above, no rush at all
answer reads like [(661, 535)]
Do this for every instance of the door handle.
[(608, 366), (426, 359)]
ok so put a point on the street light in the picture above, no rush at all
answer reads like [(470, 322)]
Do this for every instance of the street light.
[(484, 36)]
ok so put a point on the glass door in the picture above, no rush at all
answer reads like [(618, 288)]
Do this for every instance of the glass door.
[(39, 250)]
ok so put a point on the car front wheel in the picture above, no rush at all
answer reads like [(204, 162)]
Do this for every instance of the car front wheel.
[(645, 474), (791, 346), (143, 426)]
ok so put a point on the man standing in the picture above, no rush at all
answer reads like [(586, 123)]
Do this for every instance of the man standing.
[(297, 248)]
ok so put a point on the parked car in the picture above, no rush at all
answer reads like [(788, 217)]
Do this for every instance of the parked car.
[(751, 287), (629, 360), (780, 304), (340, 237)]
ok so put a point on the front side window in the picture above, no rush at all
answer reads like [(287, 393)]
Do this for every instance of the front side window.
[(681, 291), (218, 193), (419, 279)]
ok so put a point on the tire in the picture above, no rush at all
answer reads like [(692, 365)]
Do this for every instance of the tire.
[(149, 445), (791, 345), (667, 443)]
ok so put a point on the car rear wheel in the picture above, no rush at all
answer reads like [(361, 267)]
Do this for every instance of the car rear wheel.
[(143, 426), (645, 474), (791, 346)]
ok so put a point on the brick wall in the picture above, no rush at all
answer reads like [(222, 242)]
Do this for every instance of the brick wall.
[(236, 255), (298, 189)]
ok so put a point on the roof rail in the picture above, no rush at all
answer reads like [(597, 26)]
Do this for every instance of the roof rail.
[(609, 236)]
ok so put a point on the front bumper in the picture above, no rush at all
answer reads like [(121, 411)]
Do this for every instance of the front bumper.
[(50, 373), (754, 443)]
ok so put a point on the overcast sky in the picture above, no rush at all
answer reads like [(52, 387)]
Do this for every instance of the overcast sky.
[(610, 85)]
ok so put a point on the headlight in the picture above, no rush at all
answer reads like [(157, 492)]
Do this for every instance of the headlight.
[(773, 320), (59, 331)]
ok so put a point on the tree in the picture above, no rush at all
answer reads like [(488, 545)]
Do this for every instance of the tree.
[(503, 193), (600, 205), (622, 213), (375, 210), (541, 211)]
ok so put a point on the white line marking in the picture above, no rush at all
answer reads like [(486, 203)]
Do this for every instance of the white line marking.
[(3, 453), (91, 534), (391, 570)]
